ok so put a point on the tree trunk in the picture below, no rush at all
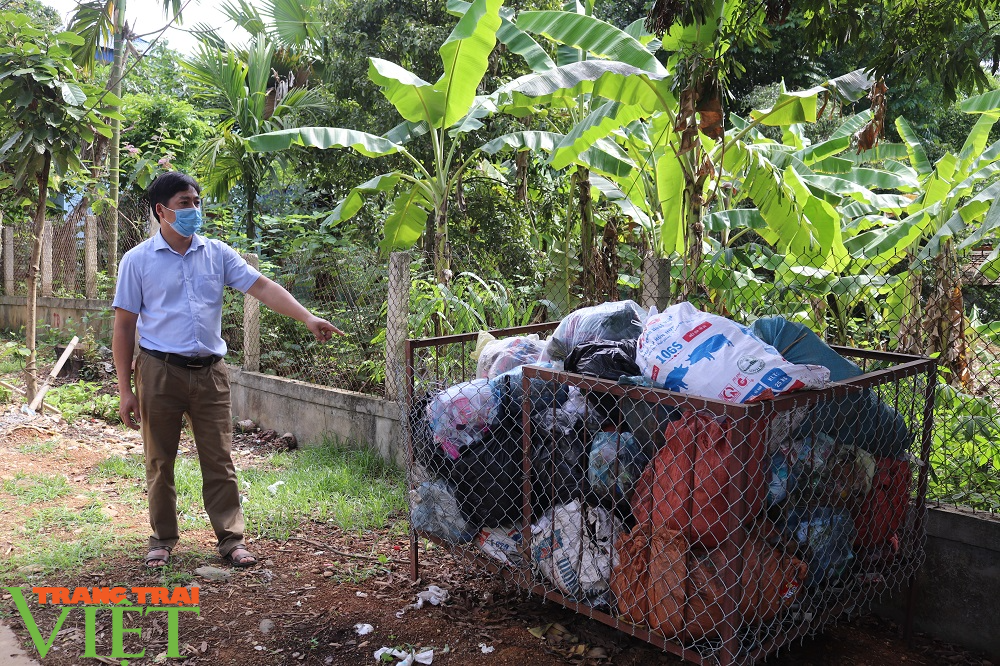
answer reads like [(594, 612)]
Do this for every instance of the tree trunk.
[(42, 178), (945, 321), (248, 220), (429, 227), (694, 237), (114, 163), (442, 248), (588, 236)]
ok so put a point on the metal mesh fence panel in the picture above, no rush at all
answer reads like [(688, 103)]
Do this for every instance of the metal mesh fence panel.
[(77, 259), (348, 287), (721, 531)]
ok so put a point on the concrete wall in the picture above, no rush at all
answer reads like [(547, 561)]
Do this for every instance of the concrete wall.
[(313, 412), (58, 313), (958, 588)]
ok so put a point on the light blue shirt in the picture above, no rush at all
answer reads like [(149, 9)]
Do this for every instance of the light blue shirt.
[(179, 297)]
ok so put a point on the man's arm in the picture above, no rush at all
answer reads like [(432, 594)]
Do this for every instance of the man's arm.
[(122, 346), (276, 297)]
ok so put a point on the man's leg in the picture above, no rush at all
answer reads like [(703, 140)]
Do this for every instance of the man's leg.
[(162, 393), (211, 419)]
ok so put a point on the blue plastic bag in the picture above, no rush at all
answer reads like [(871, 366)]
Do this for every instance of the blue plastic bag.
[(616, 461), (828, 534)]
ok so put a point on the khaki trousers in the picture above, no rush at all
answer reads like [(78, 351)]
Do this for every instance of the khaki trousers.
[(165, 393)]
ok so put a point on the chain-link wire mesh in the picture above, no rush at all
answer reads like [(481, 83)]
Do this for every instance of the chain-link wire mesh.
[(349, 287), (721, 528), (80, 251)]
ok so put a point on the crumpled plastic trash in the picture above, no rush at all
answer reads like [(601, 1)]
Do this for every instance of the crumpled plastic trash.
[(433, 594), (273, 488), (408, 658), (363, 629), (486, 649)]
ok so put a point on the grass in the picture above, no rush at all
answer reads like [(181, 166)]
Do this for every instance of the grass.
[(38, 447), (352, 488), (32, 488), (53, 518)]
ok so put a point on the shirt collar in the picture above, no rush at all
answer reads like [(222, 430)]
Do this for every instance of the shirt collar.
[(160, 243)]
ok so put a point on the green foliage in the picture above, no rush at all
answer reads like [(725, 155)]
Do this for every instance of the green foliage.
[(12, 356), (29, 489), (470, 303), (162, 135), (51, 112), (84, 398), (235, 85), (965, 458)]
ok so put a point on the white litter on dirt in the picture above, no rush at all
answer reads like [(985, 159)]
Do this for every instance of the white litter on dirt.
[(433, 594), (486, 649), (363, 629), (408, 658)]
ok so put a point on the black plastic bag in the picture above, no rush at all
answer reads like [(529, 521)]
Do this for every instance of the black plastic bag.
[(607, 360)]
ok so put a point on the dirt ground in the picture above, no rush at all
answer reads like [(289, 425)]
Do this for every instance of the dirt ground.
[(300, 606)]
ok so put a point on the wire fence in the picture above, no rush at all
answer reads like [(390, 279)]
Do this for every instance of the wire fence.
[(77, 259), (943, 305)]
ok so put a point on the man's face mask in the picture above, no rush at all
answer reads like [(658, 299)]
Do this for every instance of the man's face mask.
[(187, 221)]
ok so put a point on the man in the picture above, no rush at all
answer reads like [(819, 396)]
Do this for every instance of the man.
[(170, 288)]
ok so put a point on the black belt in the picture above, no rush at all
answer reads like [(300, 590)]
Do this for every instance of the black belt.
[(192, 362)]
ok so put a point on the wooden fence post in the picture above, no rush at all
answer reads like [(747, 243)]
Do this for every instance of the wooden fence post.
[(251, 325), (47, 260), (7, 243), (655, 282), (90, 256), (396, 323)]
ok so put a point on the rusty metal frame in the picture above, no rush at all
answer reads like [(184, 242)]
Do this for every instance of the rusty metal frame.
[(747, 416)]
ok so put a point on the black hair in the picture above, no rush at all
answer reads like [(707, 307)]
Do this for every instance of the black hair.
[(166, 186)]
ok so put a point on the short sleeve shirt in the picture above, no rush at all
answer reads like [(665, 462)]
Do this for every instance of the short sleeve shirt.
[(179, 297)]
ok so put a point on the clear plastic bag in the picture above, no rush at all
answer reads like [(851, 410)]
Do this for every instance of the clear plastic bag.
[(620, 320), (505, 354)]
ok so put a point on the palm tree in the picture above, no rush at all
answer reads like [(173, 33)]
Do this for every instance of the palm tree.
[(236, 86)]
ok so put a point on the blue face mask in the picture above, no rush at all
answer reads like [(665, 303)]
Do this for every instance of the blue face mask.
[(187, 221)]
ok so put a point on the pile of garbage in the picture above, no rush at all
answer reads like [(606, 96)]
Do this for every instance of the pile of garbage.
[(632, 502)]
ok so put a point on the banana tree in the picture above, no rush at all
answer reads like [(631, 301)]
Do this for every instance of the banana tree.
[(445, 111)]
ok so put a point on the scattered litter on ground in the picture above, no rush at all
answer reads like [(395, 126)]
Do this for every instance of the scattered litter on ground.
[(408, 658), (433, 594), (363, 629), (485, 649)]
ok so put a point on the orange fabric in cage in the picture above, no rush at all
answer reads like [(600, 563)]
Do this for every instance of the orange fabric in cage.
[(883, 509), (685, 486), (678, 591)]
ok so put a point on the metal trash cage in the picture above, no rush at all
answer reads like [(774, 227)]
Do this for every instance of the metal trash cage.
[(720, 532)]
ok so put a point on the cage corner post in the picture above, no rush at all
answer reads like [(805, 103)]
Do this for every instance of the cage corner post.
[(926, 441), (408, 437)]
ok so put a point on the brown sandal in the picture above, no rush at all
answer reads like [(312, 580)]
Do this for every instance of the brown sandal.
[(247, 560), (153, 556)]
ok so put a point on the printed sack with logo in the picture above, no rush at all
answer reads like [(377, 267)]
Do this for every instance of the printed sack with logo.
[(572, 547), (685, 350)]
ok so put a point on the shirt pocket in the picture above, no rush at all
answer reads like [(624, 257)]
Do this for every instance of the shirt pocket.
[(210, 289)]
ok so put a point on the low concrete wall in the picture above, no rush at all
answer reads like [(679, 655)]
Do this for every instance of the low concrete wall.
[(313, 412), (957, 596), (65, 313)]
